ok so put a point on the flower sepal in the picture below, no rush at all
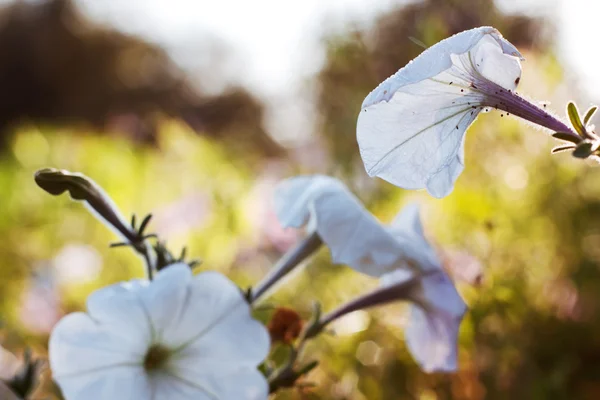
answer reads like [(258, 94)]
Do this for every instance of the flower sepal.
[(586, 143), (27, 377)]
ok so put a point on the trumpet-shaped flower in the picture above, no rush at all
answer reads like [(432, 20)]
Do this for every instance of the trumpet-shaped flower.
[(411, 128), (176, 337), (399, 254)]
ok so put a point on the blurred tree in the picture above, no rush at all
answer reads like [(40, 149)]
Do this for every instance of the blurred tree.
[(60, 69)]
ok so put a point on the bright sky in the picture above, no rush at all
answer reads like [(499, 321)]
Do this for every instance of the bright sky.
[(275, 42)]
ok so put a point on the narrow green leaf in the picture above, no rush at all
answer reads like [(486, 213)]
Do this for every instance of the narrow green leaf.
[(567, 137), (583, 150), (560, 149), (575, 119), (589, 114)]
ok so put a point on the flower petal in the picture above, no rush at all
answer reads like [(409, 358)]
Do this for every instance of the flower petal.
[(78, 337), (234, 339), (407, 227), (416, 139), (293, 197), (432, 332), (233, 383), (352, 234), (115, 383), (216, 323), (431, 62), (490, 58), (117, 308), (409, 220), (165, 300), (411, 127), (432, 340)]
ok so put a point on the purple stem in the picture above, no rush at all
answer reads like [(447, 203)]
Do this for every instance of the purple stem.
[(377, 297), (287, 263), (509, 101)]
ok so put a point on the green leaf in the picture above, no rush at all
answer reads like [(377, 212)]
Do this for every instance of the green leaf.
[(567, 137), (560, 149), (583, 150), (575, 119), (589, 114)]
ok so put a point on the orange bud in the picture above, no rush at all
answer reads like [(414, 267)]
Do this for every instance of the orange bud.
[(285, 325)]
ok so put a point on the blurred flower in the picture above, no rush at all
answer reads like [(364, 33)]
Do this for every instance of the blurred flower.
[(399, 254), (176, 337), (184, 215), (411, 128), (345, 226), (266, 227), (40, 306), (463, 266), (9, 364), (77, 263)]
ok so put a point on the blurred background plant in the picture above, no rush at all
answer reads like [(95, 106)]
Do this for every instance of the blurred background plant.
[(520, 233)]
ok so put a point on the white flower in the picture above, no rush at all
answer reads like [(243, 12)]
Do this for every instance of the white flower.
[(411, 127), (432, 332), (328, 207), (396, 254), (176, 337)]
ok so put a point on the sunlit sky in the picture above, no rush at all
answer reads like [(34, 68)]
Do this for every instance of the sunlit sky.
[(275, 43)]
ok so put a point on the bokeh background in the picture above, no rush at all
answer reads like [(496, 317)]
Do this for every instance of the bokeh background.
[(193, 111)]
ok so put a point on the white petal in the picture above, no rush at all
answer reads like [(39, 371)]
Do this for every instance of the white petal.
[(440, 292), (491, 61), (407, 228), (236, 383), (435, 60), (294, 196), (352, 234), (115, 383), (432, 332), (432, 340), (416, 139), (396, 277), (236, 339), (216, 324), (78, 345), (409, 220), (411, 127), (165, 299), (118, 309)]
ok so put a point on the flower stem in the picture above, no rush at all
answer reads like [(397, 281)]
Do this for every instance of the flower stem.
[(149, 267), (509, 101), (286, 264), (380, 296)]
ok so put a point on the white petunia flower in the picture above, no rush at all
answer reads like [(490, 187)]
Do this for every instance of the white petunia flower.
[(177, 337), (399, 254), (328, 207), (411, 128)]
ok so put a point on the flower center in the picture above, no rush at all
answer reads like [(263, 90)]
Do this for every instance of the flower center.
[(156, 357)]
